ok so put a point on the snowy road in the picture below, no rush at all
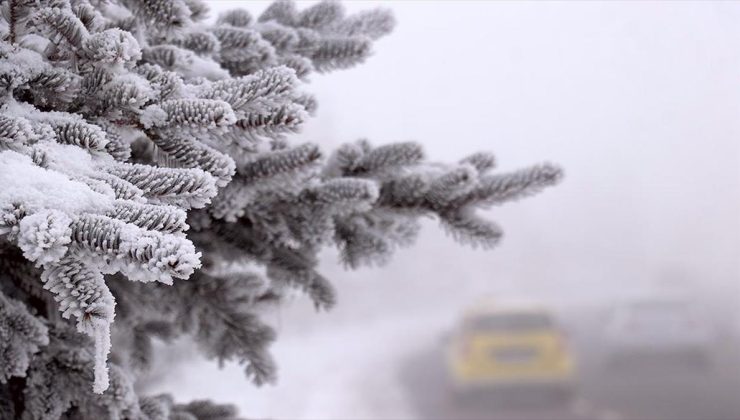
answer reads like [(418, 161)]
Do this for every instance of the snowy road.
[(393, 369), (603, 394), (377, 356)]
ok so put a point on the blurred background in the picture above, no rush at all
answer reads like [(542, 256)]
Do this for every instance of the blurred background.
[(615, 295)]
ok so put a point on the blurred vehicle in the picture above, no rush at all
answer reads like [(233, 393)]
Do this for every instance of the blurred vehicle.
[(658, 331), (510, 351)]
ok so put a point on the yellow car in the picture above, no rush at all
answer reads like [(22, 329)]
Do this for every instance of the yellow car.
[(510, 348)]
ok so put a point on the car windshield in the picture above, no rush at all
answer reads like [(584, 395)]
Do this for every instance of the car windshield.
[(511, 322)]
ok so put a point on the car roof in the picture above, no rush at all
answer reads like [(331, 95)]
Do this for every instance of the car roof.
[(496, 307)]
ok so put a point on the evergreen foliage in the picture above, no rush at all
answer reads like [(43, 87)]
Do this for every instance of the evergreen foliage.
[(148, 191)]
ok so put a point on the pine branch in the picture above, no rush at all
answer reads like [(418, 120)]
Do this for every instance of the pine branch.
[(21, 336), (190, 188), (13, 9), (167, 219), (141, 254), (82, 293), (190, 153), (118, 121)]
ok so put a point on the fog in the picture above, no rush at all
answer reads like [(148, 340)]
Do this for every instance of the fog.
[(638, 102)]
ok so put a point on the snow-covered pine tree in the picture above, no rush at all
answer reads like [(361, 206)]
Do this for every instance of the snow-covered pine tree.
[(145, 175)]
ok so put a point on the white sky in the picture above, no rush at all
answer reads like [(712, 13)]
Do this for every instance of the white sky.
[(638, 101)]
